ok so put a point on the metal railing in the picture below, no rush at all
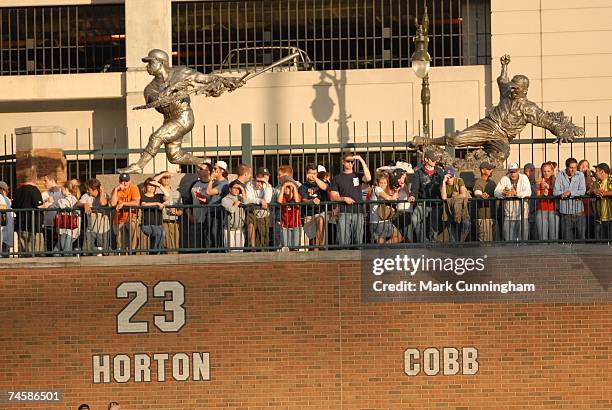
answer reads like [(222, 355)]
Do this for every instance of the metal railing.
[(93, 152), (306, 226)]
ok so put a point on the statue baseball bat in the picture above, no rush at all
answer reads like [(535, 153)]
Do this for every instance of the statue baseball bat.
[(244, 79)]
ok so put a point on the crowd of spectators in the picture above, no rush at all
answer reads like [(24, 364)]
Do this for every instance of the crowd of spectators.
[(356, 207)]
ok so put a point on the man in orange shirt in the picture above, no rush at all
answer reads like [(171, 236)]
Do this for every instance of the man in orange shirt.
[(125, 222)]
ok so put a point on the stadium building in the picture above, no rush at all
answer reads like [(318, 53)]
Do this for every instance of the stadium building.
[(77, 64)]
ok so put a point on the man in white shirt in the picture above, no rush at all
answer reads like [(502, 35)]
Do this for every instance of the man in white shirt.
[(513, 188)]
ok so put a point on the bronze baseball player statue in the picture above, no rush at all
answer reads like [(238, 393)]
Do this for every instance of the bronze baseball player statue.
[(505, 121), (169, 94)]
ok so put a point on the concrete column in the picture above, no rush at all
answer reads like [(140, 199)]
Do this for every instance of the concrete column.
[(148, 25), (41, 147)]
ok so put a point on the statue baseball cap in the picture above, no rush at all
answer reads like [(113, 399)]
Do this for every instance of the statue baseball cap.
[(156, 54)]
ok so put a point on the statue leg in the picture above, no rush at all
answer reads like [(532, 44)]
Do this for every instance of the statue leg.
[(498, 149), (176, 155), (419, 142), (155, 142)]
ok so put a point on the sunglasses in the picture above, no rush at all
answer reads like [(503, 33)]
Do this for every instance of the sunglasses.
[(349, 161)]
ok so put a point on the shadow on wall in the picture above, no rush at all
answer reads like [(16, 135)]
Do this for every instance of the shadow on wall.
[(322, 106)]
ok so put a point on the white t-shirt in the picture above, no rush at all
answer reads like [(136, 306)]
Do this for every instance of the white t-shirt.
[(97, 221), (8, 230)]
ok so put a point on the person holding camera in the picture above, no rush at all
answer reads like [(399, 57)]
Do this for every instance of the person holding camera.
[(513, 188), (233, 231), (290, 221), (456, 210), (381, 214)]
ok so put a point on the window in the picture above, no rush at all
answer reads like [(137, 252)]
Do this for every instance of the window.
[(62, 40), (336, 34)]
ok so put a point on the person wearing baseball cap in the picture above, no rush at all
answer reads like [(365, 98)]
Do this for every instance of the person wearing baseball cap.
[(513, 188), (125, 223), (7, 223), (484, 192), (602, 189), (458, 222), (426, 183)]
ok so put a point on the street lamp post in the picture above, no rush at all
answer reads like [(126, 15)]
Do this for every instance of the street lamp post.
[(421, 63)]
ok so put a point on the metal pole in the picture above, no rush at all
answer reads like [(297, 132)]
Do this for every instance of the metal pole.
[(425, 100)]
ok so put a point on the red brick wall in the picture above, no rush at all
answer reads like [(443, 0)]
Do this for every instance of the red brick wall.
[(293, 334)]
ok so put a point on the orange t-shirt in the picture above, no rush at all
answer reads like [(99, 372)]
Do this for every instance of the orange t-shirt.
[(123, 196)]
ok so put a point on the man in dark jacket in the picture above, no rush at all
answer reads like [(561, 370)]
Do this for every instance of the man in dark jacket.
[(426, 182)]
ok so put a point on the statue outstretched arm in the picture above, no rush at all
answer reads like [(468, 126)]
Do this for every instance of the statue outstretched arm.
[(557, 123), (211, 85), (503, 79)]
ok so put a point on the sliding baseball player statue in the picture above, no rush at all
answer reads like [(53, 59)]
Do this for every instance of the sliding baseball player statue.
[(506, 120)]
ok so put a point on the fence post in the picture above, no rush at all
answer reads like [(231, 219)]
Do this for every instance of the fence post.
[(246, 131), (449, 128)]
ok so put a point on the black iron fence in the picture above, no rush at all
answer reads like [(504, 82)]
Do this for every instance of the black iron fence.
[(233, 226), (93, 152)]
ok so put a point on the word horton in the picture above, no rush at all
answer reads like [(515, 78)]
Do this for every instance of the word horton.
[(140, 367)]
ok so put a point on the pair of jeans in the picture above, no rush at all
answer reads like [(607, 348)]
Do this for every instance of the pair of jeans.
[(350, 228), (95, 240), (155, 234), (290, 237), (516, 230), (547, 223), (573, 227), (603, 230), (64, 243), (426, 222), (458, 231)]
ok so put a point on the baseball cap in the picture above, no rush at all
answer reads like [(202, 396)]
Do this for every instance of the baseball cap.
[(221, 164), (124, 177), (263, 171), (156, 54), (486, 165), (321, 168), (514, 167), (4, 185), (449, 171), (604, 167), (528, 165)]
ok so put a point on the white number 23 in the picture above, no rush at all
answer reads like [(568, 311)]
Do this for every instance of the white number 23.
[(172, 291)]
